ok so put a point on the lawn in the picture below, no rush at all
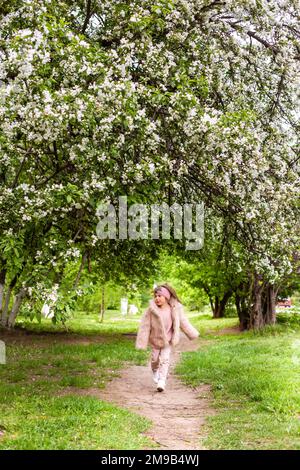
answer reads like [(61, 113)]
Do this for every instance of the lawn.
[(254, 377), (36, 412)]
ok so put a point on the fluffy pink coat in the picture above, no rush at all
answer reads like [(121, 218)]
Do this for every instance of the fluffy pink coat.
[(152, 331)]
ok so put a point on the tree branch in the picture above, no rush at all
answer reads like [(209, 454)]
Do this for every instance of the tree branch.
[(88, 16), (254, 35)]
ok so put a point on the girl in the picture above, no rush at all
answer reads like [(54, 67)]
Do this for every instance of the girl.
[(160, 326)]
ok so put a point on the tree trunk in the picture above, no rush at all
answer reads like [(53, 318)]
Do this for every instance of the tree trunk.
[(6, 306), (263, 303), (220, 305), (211, 303), (206, 289), (269, 304), (2, 284), (256, 316), (242, 311), (16, 307), (83, 261), (7, 299), (102, 305), (216, 307)]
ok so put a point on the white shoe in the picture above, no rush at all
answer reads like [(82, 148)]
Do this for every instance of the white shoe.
[(156, 376), (160, 385)]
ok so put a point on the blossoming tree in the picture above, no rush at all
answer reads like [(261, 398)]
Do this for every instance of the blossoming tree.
[(187, 99)]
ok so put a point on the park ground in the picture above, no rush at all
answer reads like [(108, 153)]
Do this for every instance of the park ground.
[(252, 382)]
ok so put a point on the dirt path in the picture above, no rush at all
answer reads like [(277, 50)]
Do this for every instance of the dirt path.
[(177, 413)]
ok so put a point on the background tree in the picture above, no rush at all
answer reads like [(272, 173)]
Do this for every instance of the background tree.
[(172, 100)]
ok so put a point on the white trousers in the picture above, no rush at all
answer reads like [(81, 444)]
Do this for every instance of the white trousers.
[(160, 360)]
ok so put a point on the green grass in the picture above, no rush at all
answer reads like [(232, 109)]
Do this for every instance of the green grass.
[(114, 323), (33, 415), (69, 422), (255, 379), (209, 326)]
